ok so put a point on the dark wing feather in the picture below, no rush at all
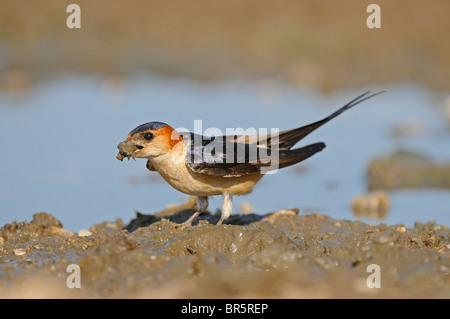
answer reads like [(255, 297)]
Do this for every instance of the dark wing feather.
[(291, 157), (217, 157), (287, 139)]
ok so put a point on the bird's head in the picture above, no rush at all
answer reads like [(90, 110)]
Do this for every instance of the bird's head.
[(149, 140)]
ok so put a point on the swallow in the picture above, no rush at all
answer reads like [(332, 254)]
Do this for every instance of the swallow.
[(220, 165)]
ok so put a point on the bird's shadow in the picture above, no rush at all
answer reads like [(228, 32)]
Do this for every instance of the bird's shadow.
[(144, 220)]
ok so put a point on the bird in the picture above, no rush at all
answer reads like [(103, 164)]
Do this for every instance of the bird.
[(220, 165)]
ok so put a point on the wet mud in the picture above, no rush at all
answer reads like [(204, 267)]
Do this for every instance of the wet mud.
[(278, 255)]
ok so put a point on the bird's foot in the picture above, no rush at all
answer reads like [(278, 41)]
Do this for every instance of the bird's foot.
[(191, 219)]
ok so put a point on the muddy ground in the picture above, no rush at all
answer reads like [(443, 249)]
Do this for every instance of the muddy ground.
[(279, 255)]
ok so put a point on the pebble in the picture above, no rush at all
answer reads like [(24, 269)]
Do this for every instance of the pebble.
[(382, 239), (286, 212), (84, 233), (401, 229), (112, 225), (246, 208), (19, 251), (326, 262), (60, 231), (337, 223), (374, 205)]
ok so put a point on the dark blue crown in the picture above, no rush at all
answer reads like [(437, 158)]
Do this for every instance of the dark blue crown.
[(148, 126)]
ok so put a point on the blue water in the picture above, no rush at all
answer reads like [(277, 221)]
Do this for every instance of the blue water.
[(58, 145)]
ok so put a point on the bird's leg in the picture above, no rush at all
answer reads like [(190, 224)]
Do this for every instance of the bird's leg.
[(227, 207), (202, 206)]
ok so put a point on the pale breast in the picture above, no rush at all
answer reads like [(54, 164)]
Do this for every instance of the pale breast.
[(175, 172)]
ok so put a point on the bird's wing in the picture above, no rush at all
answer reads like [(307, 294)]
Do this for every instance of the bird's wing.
[(226, 158), (234, 156), (285, 140), (219, 156)]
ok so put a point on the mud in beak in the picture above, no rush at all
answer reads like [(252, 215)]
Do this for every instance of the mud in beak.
[(126, 149)]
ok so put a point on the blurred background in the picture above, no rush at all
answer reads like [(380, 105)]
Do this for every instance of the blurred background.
[(69, 96)]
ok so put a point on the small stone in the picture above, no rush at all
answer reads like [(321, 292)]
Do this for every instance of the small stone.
[(374, 205), (326, 262), (60, 231), (337, 223), (246, 208), (401, 229), (111, 225), (284, 212), (382, 239), (84, 233), (2, 241), (19, 251)]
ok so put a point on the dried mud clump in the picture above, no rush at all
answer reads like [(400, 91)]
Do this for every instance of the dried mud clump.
[(126, 150), (407, 170), (42, 225)]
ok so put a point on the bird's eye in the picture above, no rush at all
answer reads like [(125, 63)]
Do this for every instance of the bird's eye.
[(148, 136)]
